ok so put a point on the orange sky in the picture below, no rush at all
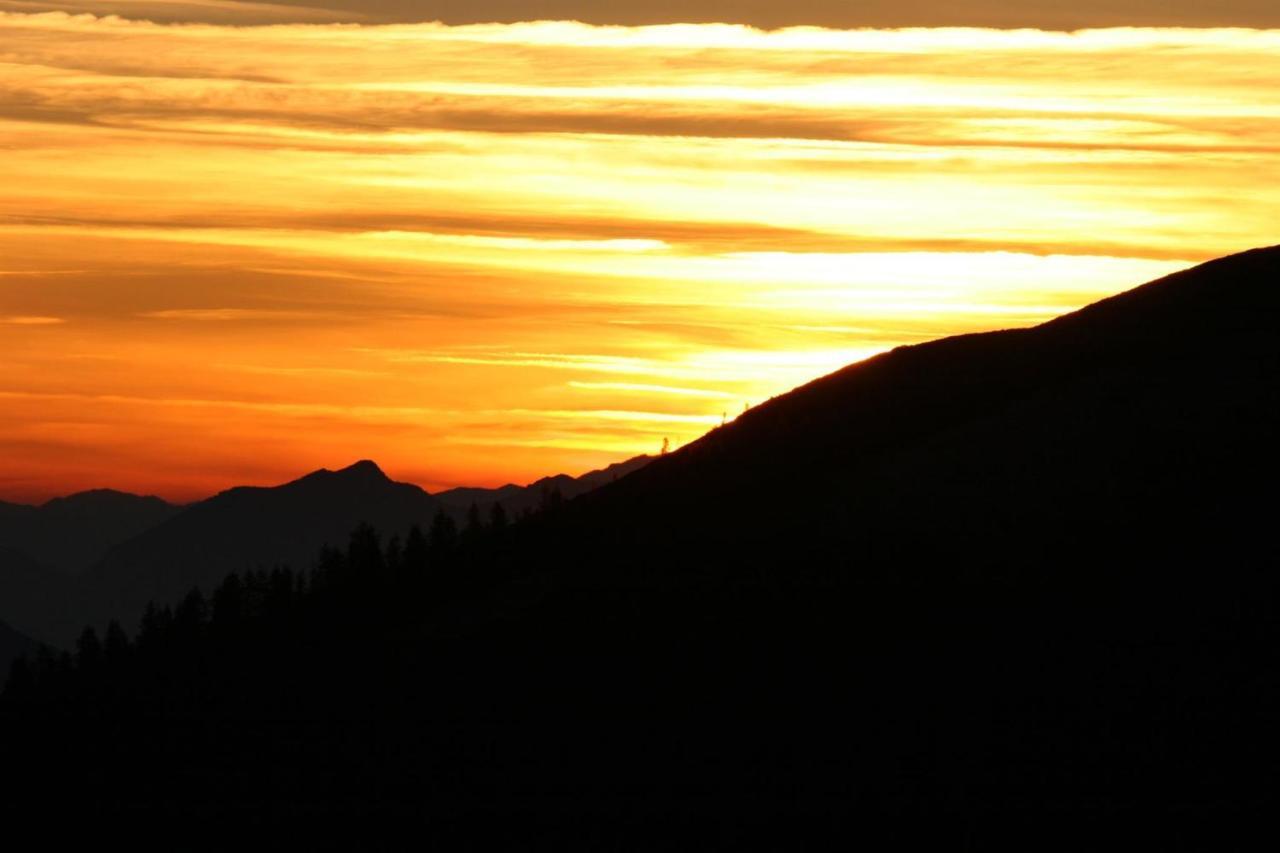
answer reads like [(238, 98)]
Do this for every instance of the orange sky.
[(487, 253)]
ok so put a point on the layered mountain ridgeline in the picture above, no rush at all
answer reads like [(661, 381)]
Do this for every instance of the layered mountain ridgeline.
[(520, 499), (104, 554), (45, 548), (1002, 590), (247, 528)]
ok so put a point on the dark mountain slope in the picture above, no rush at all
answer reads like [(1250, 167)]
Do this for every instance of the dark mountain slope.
[(1112, 427), (72, 533), (249, 528)]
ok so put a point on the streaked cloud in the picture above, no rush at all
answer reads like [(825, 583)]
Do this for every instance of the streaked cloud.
[(225, 314), (644, 388), (1042, 14), (21, 320), (204, 11), (485, 253)]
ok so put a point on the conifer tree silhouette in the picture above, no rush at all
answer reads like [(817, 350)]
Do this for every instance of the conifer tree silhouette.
[(364, 556), (89, 655), (116, 645), (228, 604), (394, 558), (414, 560), (444, 534)]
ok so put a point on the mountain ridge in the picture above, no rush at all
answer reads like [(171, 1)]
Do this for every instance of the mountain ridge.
[(1174, 362), (237, 529)]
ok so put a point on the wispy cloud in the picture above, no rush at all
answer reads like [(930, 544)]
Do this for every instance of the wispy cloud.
[(225, 314), (1040, 14), (644, 388), (210, 11), (564, 240), (28, 320)]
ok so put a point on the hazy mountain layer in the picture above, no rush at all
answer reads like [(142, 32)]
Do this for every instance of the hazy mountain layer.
[(72, 533)]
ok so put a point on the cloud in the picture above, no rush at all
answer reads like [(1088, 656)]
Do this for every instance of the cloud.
[(203, 11), (491, 252), (222, 315), (1042, 14), (19, 320), (645, 388)]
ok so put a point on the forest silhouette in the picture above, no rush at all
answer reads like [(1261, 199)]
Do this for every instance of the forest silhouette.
[(1001, 590)]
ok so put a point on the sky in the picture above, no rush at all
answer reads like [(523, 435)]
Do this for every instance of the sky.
[(483, 253), (837, 14)]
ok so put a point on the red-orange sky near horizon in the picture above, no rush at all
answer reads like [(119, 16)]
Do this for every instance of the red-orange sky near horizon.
[(482, 254)]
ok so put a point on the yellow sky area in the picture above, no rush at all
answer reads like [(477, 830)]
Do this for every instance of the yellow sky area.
[(488, 253)]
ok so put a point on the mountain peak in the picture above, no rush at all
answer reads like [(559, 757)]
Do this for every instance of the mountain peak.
[(365, 473), (364, 468)]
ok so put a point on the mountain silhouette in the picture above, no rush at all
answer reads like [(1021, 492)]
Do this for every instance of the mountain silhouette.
[(517, 499), (248, 527), (71, 533), (45, 548), (1151, 412)]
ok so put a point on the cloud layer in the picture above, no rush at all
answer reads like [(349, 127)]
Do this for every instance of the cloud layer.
[(838, 14), (489, 252)]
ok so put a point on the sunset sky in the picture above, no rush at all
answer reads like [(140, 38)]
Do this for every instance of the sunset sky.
[(481, 253)]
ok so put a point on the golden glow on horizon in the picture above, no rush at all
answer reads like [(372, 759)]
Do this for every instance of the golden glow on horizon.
[(492, 252)]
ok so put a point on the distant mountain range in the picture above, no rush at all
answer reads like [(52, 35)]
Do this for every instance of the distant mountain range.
[(104, 554), (69, 534)]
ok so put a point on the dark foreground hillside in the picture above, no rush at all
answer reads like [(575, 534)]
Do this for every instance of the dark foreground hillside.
[(1004, 591)]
